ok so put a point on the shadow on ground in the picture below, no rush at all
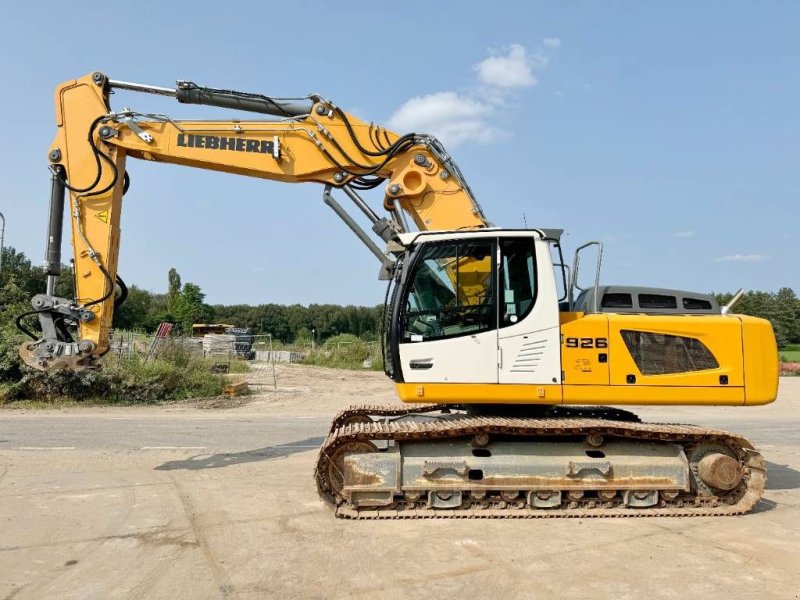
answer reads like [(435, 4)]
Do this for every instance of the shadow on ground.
[(763, 506), (215, 461), (782, 477)]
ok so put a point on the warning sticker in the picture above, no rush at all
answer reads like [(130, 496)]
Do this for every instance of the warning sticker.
[(103, 216), (583, 365)]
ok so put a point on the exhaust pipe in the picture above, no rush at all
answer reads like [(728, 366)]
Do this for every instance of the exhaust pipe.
[(733, 302)]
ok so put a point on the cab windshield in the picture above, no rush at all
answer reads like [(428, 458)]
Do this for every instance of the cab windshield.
[(451, 292)]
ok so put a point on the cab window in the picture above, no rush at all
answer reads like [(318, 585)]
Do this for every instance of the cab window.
[(451, 292), (518, 278)]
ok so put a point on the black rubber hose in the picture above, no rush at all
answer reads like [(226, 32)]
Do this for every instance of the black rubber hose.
[(95, 151), (371, 171), (110, 291), (24, 329), (98, 154), (123, 293), (351, 131), (114, 178), (363, 184), (374, 138)]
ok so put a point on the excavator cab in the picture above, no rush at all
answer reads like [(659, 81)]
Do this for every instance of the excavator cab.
[(476, 307)]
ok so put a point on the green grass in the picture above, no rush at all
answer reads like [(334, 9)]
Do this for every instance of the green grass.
[(239, 366), (790, 356), (346, 356)]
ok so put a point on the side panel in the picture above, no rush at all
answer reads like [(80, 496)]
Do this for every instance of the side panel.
[(667, 359), (585, 355), (721, 336), (531, 356), (465, 359), (760, 361)]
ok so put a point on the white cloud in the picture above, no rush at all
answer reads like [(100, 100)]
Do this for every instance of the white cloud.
[(741, 258), (684, 234), (456, 117), (452, 117), (512, 70)]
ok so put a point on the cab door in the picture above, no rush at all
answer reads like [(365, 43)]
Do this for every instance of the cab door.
[(448, 324), (528, 332)]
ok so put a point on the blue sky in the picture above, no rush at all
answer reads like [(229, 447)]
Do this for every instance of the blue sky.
[(670, 131)]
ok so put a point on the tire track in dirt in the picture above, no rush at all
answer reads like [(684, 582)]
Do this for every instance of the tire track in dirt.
[(221, 578)]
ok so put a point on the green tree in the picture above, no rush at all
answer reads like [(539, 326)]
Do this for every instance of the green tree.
[(174, 288), (787, 314), (134, 313), (13, 302), (189, 308)]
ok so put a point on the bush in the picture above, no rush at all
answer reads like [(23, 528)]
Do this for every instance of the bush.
[(346, 354), (239, 366), (341, 339), (10, 362), (792, 369), (132, 381)]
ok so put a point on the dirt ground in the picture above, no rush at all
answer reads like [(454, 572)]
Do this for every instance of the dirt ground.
[(214, 499)]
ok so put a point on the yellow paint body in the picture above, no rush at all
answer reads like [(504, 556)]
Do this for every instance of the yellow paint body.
[(744, 348)]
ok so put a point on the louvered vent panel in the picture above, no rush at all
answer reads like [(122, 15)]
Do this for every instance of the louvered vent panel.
[(529, 357)]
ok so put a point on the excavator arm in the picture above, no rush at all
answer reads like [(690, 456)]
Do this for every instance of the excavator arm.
[(312, 140)]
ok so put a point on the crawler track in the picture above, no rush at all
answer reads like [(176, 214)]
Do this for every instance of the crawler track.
[(695, 503)]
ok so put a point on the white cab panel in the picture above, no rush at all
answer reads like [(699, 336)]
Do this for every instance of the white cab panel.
[(463, 359)]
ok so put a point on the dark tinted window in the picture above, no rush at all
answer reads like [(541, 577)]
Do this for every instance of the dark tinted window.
[(657, 301), (518, 277), (617, 301), (451, 292), (696, 304), (660, 354)]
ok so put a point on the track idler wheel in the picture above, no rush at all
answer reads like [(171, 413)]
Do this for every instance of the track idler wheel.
[(720, 471)]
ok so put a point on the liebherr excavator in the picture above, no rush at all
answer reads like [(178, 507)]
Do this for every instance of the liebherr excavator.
[(507, 363)]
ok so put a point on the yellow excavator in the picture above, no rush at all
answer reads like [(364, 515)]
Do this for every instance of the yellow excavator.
[(512, 363)]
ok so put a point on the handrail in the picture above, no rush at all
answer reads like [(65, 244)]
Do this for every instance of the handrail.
[(575, 268)]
